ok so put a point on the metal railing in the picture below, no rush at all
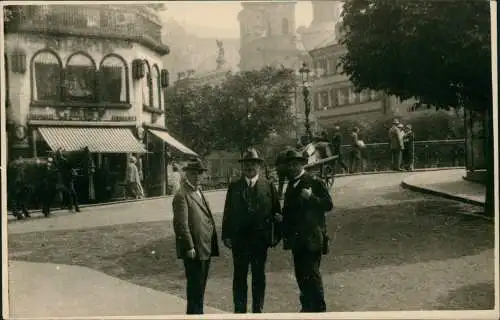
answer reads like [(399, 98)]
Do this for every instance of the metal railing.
[(376, 157)]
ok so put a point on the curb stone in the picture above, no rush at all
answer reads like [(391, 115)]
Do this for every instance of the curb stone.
[(104, 204), (442, 194)]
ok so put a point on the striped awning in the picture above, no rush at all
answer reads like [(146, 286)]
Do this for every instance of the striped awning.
[(98, 140), (173, 142)]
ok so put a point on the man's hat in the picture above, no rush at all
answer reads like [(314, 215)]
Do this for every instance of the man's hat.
[(395, 121), (194, 166), (251, 155), (295, 155)]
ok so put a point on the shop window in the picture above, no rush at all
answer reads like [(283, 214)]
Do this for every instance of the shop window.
[(113, 84), (341, 97), (333, 97), (155, 86), (324, 100), (147, 86), (46, 77), (332, 66), (316, 100), (373, 95), (80, 80)]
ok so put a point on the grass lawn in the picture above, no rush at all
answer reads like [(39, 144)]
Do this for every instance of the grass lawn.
[(410, 256)]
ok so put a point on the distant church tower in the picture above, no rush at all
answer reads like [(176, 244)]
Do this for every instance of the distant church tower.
[(267, 35), (323, 28)]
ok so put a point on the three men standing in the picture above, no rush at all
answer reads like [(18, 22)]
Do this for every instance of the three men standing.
[(250, 226), (304, 230), (196, 236)]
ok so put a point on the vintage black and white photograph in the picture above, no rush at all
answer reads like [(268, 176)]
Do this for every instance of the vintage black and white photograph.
[(214, 158)]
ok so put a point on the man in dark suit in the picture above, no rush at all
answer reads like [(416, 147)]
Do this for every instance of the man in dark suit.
[(337, 147), (195, 234), (250, 225), (281, 172), (304, 230)]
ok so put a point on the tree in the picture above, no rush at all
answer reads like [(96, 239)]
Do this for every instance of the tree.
[(244, 110), (190, 114), (254, 105), (438, 52)]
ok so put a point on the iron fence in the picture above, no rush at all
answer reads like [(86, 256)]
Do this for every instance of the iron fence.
[(376, 157)]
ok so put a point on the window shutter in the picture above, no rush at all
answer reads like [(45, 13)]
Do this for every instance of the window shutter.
[(138, 69), (165, 78)]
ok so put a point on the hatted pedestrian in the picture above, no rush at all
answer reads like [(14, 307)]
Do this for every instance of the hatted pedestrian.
[(250, 226), (195, 235), (307, 200), (396, 145)]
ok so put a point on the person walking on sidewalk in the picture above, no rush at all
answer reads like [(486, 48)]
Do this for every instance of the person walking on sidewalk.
[(195, 235), (134, 179), (250, 226), (304, 230)]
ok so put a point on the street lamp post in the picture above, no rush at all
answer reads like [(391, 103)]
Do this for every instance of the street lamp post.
[(305, 74)]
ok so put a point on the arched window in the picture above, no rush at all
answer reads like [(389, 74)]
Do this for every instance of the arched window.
[(342, 96), (113, 84), (80, 79), (46, 77), (285, 26), (155, 86), (146, 86)]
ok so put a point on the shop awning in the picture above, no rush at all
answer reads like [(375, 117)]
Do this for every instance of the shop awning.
[(173, 142), (98, 140)]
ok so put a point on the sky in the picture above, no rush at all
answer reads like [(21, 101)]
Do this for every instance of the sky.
[(219, 18)]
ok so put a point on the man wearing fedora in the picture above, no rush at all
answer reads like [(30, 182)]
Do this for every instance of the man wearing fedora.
[(195, 234), (250, 226), (307, 200), (396, 145)]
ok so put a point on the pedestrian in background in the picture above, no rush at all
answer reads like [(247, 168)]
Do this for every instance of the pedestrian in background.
[(396, 145), (356, 156), (250, 226), (195, 235), (337, 148), (307, 200), (408, 148), (134, 179)]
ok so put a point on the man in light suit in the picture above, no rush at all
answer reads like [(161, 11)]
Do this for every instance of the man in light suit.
[(396, 145), (250, 226), (196, 237)]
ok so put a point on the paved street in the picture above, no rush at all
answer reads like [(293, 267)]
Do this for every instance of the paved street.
[(393, 249)]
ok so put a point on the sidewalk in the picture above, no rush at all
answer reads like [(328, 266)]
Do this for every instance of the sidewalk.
[(448, 184), (72, 291)]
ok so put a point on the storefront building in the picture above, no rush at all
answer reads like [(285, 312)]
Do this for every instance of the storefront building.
[(90, 76)]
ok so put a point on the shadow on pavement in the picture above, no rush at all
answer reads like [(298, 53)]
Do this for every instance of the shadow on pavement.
[(480, 296)]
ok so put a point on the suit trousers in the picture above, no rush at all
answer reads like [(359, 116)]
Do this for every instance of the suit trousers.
[(196, 274), (255, 256), (397, 155), (306, 266)]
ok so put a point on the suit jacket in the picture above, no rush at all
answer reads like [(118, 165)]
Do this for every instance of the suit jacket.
[(304, 223), (336, 143), (194, 225), (395, 138), (236, 216)]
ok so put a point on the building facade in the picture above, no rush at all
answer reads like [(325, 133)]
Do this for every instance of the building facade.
[(89, 76), (268, 36), (334, 96)]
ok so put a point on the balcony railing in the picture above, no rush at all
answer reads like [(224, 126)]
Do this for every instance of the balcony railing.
[(91, 20)]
